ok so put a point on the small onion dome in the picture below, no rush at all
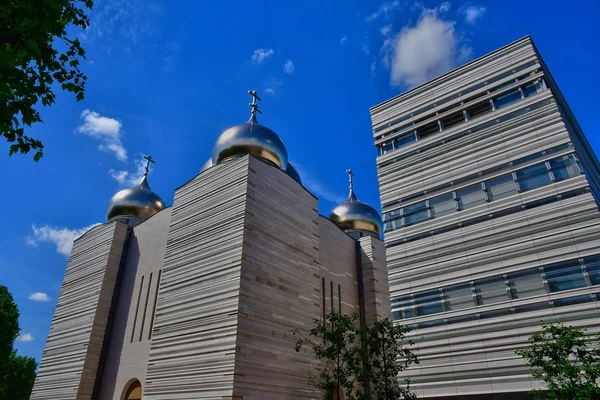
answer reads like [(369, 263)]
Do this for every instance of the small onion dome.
[(207, 165), (293, 172), (138, 203), (354, 215), (251, 138)]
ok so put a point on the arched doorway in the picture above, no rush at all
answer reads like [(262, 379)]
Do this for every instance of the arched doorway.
[(133, 391)]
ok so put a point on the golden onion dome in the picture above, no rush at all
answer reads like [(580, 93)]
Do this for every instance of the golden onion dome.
[(137, 203), (251, 138), (354, 215), (293, 172)]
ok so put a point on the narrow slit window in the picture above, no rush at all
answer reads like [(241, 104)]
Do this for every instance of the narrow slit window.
[(340, 299), (137, 308), (154, 305), (323, 298), (146, 306), (331, 291)]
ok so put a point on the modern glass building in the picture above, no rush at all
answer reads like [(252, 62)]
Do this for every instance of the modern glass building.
[(489, 191)]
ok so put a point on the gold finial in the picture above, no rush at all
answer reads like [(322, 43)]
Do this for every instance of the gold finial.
[(254, 105), (150, 160), (350, 176)]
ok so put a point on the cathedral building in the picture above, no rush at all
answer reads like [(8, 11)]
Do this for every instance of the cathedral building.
[(199, 300)]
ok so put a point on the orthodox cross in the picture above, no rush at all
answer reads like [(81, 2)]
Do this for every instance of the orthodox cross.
[(150, 160), (254, 105), (350, 176)]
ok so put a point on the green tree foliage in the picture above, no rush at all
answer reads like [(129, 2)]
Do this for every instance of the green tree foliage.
[(334, 342), (351, 356), (36, 52), (566, 360), (17, 373), (388, 355)]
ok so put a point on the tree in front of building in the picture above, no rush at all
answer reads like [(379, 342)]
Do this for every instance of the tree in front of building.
[(566, 360), (36, 52), (388, 354), (355, 363), (17, 373), (334, 342)]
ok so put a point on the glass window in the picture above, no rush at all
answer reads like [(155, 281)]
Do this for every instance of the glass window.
[(569, 301), (507, 98), (428, 129), (495, 313), (457, 297), (453, 119), (491, 290), (402, 307), (526, 283), (532, 307), (479, 109), (533, 177), (500, 187), (592, 265), (429, 302), (386, 147), (405, 140), (470, 196), (442, 205), (529, 89), (415, 213), (564, 168), (431, 324), (462, 318), (564, 276)]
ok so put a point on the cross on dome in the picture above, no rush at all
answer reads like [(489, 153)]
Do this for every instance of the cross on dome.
[(254, 105), (150, 160), (350, 176)]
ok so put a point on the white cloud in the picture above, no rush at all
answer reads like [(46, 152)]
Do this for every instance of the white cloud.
[(288, 67), (343, 40), (261, 54), (273, 86), (473, 13), (39, 296), (130, 178), (107, 131), (386, 30), (385, 10), (444, 7), (317, 188), (60, 237), (424, 51), (25, 337)]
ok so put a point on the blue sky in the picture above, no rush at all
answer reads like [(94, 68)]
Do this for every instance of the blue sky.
[(165, 78)]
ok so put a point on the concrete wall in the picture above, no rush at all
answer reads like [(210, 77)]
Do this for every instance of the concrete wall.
[(129, 347)]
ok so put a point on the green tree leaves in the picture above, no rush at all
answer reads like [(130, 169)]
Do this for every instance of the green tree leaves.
[(351, 358), (17, 373), (566, 360), (31, 32)]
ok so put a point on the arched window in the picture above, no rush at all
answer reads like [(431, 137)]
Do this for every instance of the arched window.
[(133, 390)]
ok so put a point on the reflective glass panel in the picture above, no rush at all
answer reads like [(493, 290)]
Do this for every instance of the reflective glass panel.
[(529, 89), (429, 302), (592, 265), (470, 196), (386, 147), (564, 168), (507, 98), (405, 140), (491, 290), (526, 283), (500, 187), (402, 307), (457, 297), (533, 177), (564, 276), (569, 301), (415, 213), (442, 205)]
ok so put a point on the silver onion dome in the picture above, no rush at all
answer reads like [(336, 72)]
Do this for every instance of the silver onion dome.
[(207, 165), (251, 138), (293, 172), (138, 202), (354, 215)]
